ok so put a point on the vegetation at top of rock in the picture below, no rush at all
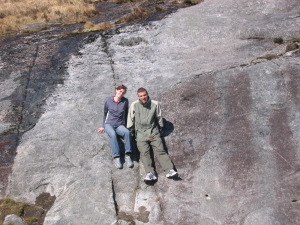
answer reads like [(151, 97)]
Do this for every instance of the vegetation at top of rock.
[(291, 47), (27, 16), (270, 56), (90, 26), (126, 1), (278, 40), (192, 2), (16, 14), (136, 14)]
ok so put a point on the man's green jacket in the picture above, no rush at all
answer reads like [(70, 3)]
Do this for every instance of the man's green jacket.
[(145, 119)]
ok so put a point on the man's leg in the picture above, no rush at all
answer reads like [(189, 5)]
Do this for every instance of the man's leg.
[(110, 130), (144, 149), (125, 133), (161, 155)]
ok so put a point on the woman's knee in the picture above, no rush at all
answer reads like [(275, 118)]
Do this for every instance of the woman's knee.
[(126, 132), (112, 134)]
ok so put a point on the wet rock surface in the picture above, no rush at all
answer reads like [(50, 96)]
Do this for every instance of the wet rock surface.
[(232, 114), (31, 70)]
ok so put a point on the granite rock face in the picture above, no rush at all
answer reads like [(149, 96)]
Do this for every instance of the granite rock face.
[(230, 95)]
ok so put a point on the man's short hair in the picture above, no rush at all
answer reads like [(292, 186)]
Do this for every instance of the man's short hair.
[(141, 89), (121, 87)]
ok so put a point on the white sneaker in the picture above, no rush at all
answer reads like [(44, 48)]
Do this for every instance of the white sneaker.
[(117, 163), (150, 176), (171, 173), (128, 161)]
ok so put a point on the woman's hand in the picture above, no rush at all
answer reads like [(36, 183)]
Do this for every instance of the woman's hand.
[(101, 130)]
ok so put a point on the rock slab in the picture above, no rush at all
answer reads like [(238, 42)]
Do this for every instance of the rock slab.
[(233, 119)]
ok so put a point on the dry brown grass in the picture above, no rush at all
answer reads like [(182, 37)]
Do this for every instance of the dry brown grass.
[(15, 14), (193, 2), (90, 26), (126, 1), (269, 57), (137, 13), (291, 47)]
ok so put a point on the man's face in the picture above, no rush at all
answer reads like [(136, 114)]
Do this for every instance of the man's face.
[(143, 96)]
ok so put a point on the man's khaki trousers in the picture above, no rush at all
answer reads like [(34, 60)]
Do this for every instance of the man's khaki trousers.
[(158, 150)]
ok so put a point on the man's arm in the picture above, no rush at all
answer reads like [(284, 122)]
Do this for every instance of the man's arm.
[(105, 111), (159, 115), (126, 112), (131, 117)]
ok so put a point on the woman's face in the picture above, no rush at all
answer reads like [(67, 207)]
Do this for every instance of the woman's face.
[(120, 93)]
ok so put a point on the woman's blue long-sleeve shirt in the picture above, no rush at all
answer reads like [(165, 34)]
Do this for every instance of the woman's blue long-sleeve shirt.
[(115, 113)]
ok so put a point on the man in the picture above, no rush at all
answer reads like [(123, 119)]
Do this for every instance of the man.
[(145, 119)]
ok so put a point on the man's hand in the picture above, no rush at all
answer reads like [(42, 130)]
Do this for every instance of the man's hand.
[(161, 131), (132, 133), (101, 130)]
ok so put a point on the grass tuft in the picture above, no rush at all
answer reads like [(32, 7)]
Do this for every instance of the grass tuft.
[(9, 206), (90, 26), (192, 2), (270, 56), (32, 221), (278, 40), (30, 213), (295, 40), (291, 47), (126, 1), (137, 13)]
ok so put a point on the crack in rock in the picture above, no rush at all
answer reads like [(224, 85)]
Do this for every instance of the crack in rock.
[(114, 196), (111, 61), (19, 125)]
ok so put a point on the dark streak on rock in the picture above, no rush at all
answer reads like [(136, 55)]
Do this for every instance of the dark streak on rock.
[(142, 216), (196, 102), (240, 155), (25, 93), (292, 80), (282, 141)]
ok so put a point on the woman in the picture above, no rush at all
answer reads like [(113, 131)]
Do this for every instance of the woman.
[(114, 124)]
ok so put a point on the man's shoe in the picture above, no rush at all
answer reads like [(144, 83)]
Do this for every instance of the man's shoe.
[(150, 176), (172, 173), (128, 161), (117, 162)]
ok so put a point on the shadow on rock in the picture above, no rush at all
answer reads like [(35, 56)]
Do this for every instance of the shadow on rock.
[(177, 178), (168, 128), (150, 182)]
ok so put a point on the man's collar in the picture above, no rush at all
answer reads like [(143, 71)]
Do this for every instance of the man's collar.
[(149, 100)]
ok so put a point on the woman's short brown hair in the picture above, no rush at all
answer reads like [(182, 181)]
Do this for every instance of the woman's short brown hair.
[(121, 87)]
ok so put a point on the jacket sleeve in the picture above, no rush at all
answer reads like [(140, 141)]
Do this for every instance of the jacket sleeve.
[(126, 112), (131, 117), (105, 113), (159, 115)]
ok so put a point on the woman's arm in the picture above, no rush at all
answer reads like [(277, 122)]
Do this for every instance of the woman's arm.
[(105, 111)]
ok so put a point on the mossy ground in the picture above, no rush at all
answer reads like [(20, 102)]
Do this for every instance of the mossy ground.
[(32, 214)]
